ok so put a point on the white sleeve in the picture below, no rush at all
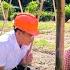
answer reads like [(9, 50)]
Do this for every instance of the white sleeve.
[(2, 55), (25, 48)]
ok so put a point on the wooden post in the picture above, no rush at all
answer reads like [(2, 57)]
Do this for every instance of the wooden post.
[(10, 1), (60, 4), (20, 6), (0, 1), (4, 16), (54, 9)]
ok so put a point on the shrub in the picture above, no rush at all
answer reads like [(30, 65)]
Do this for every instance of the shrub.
[(32, 7), (1, 14), (7, 7), (67, 12), (46, 16), (40, 42), (11, 13)]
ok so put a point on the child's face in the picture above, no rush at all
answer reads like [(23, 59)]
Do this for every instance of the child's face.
[(25, 38)]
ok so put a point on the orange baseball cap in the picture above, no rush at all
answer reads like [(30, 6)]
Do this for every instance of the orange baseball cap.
[(27, 22)]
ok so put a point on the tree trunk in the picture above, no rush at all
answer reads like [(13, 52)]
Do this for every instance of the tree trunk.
[(60, 35)]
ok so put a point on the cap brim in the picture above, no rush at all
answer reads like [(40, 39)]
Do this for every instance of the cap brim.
[(34, 33)]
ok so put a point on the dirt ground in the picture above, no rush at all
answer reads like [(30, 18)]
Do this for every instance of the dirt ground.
[(44, 59)]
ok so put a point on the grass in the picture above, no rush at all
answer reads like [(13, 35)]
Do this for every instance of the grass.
[(40, 42), (67, 26), (9, 24), (47, 26), (42, 25), (51, 46)]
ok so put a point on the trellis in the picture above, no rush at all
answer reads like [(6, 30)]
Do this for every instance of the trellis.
[(5, 18)]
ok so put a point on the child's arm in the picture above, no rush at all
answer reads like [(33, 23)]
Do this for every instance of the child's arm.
[(29, 56)]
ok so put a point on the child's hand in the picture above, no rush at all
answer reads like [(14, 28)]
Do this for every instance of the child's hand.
[(27, 59)]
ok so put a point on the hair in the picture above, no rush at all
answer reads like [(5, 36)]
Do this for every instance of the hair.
[(16, 29)]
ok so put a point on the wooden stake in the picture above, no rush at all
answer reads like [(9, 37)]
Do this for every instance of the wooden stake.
[(20, 6)]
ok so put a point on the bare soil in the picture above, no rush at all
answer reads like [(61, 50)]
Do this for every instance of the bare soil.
[(43, 58)]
